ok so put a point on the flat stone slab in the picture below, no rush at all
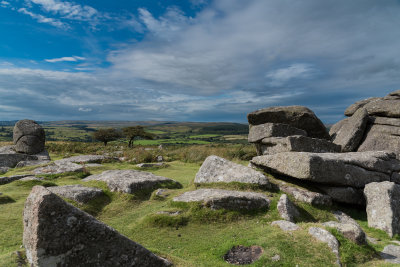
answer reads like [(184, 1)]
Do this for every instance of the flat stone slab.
[(31, 178), (58, 234), (391, 253), (274, 145), (261, 131), (383, 206), (131, 181), (359, 104), (9, 158), (150, 165), (381, 137), (225, 199), (78, 193), (6, 180), (303, 195), (84, 159), (354, 169), (219, 170), (324, 236), (286, 225), (58, 168)]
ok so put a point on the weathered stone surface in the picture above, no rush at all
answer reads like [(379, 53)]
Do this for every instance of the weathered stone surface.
[(391, 254), (380, 137), (303, 195), (78, 193), (348, 195), (28, 137), (350, 231), (219, 170), (326, 237), (3, 170), (359, 104), (131, 181), (383, 206), (351, 132), (384, 108), (274, 145), (58, 234), (225, 199), (286, 225), (11, 160), (297, 116), (261, 131), (162, 193), (42, 158), (150, 165), (59, 167), (287, 210), (6, 180), (350, 169), (83, 159), (31, 178)]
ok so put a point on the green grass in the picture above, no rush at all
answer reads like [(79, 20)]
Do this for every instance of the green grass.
[(197, 236)]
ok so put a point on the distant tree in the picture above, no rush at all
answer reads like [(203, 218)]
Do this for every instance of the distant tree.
[(133, 132), (106, 135)]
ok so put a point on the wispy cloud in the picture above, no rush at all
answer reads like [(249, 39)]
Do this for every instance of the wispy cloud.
[(295, 71), (68, 10), (43, 19), (65, 59), (4, 3)]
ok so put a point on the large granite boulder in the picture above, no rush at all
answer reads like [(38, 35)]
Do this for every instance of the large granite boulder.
[(78, 193), (261, 131), (84, 159), (225, 199), (219, 170), (297, 116), (382, 134), (10, 158), (132, 181), (273, 145), (359, 104), (350, 131), (287, 210), (58, 234), (28, 137), (354, 169), (383, 206)]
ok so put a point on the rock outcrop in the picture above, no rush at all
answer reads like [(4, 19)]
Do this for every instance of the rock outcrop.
[(225, 199), (28, 137), (9, 158), (353, 169), (132, 181), (383, 206), (219, 170), (59, 167), (58, 234), (265, 130)]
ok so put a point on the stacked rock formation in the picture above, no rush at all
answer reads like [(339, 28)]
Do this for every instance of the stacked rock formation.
[(292, 142), (28, 148), (283, 129), (373, 124)]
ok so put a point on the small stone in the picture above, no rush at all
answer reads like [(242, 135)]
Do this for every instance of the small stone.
[(287, 209), (326, 237), (276, 258), (391, 253), (286, 225)]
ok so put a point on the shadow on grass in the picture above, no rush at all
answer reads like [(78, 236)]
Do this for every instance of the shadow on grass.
[(4, 199), (96, 205), (32, 183), (145, 193)]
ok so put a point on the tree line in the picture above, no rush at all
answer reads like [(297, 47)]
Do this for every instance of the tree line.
[(131, 133)]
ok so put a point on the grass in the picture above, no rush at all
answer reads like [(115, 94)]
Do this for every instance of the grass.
[(197, 236)]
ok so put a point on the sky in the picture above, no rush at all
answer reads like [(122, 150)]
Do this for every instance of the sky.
[(193, 60)]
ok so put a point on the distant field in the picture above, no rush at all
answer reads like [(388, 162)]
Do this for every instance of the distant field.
[(165, 132)]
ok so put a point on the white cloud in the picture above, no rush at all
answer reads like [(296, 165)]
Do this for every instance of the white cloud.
[(4, 3), (67, 59), (85, 109), (43, 19), (68, 10), (295, 71)]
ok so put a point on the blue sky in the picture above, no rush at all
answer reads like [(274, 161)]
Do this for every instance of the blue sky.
[(198, 60)]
